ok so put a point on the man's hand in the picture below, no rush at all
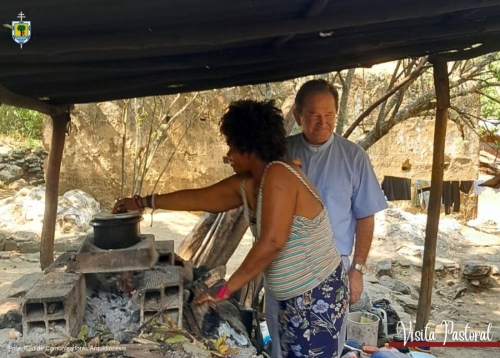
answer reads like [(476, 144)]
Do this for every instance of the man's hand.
[(355, 285)]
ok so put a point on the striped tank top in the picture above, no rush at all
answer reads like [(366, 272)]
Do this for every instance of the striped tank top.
[(309, 255)]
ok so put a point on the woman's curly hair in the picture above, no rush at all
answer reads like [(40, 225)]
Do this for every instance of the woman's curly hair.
[(255, 127)]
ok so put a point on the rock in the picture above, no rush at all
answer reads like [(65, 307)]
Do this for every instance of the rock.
[(450, 282), (460, 291), (475, 283), (384, 267), (495, 271), (404, 263), (455, 275), (5, 256), (10, 173), (25, 236), (29, 247), (407, 301), (10, 245), (370, 279), (438, 266), (33, 259), (18, 184), (386, 281), (401, 287), (475, 269), (3, 238)]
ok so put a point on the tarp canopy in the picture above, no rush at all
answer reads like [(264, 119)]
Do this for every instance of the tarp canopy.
[(97, 50)]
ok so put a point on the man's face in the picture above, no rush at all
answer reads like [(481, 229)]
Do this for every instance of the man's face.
[(317, 117)]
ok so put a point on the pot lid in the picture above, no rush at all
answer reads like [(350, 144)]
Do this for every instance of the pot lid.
[(110, 216)]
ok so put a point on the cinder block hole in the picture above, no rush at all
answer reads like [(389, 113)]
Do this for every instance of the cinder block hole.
[(172, 291), (152, 296), (34, 311), (173, 314), (165, 259), (57, 326), (55, 308), (148, 315), (37, 327)]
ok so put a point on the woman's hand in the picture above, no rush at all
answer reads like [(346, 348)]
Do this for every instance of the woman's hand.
[(126, 204), (212, 295)]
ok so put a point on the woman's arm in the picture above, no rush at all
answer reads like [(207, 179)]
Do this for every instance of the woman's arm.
[(220, 197)]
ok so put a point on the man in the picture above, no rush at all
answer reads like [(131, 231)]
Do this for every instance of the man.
[(342, 172)]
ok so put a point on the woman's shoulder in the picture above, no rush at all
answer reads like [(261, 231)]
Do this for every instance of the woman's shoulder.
[(282, 171)]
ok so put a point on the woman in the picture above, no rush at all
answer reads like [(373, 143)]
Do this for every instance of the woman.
[(294, 245)]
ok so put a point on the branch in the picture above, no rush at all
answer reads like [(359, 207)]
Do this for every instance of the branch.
[(488, 96), (407, 79)]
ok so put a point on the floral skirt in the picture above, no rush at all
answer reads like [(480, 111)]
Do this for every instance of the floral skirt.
[(310, 323)]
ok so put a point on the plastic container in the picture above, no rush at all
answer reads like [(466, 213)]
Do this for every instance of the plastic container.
[(363, 328), (266, 337), (384, 317)]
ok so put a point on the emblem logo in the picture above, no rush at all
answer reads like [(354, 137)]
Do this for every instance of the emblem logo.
[(21, 30)]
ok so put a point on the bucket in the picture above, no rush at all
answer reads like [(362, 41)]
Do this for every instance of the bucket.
[(363, 328)]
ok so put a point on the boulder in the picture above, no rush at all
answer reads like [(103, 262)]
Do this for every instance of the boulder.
[(384, 267), (475, 270), (10, 173)]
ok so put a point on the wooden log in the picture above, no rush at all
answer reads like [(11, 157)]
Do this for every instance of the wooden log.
[(225, 240), (442, 85), (192, 242), (59, 124)]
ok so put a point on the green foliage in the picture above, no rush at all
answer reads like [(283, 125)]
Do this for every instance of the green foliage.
[(21, 123), (490, 108), (490, 104)]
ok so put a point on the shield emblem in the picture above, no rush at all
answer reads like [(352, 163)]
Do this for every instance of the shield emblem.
[(21, 31)]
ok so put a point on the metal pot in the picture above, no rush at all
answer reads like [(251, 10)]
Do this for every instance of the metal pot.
[(116, 231)]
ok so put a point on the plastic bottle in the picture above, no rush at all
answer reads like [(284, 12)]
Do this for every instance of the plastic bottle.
[(266, 337)]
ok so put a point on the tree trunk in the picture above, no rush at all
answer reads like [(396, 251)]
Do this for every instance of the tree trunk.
[(59, 123), (346, 89)]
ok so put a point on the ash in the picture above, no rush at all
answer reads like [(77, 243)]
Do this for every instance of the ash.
[(109, 312)]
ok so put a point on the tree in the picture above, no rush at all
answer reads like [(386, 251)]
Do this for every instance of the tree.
[(413, 96), (21, 29)]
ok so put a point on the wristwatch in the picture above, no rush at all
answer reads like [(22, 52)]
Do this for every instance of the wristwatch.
[(359, 267)]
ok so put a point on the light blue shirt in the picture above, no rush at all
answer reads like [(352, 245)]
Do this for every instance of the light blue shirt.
[(342, 172)]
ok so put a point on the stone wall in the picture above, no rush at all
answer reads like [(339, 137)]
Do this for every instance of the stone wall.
[(25, 164), (92, 158), (407, 150)]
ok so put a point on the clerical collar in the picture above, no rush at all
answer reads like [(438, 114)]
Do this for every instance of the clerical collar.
[(317, 148)]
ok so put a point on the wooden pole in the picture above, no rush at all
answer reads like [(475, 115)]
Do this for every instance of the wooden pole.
[(59, 124), (442, 85)]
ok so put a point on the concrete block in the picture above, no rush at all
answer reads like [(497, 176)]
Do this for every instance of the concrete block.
[(161, 289), (165, 251), (54, 307), (91, 259)]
